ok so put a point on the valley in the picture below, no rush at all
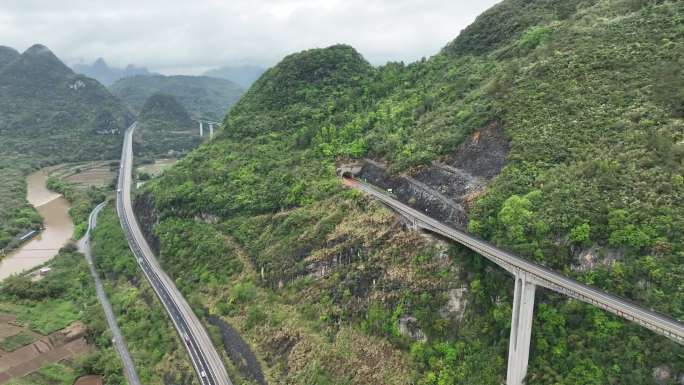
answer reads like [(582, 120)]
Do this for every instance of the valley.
[(507, 210)]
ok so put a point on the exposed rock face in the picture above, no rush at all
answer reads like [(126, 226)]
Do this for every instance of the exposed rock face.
[(594, 257), (456, 305), (661, 374), (74, 331), (445, 189), (484, 154), (408, 327), (145, 213), (350, 169)]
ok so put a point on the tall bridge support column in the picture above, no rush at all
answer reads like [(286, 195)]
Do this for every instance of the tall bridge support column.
[(211, 130), (521, 329), (201, 128)]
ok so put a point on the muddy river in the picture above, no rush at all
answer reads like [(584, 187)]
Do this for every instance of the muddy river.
[(58, 228)]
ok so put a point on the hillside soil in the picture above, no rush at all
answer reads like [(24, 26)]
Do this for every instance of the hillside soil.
[(55, 347)]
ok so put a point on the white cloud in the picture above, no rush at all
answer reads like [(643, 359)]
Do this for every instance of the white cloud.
[(190, 36)]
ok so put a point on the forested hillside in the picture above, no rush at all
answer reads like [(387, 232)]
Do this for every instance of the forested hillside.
[(165, 128), (48, 114), (204, 97), (47, 110), (326, 285)]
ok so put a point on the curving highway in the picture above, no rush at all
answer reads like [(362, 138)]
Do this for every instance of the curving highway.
[(117, 337), (204, 357), (536, 273)]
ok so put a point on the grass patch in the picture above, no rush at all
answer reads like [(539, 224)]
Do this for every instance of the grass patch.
[(48, 317), (12, 343), (44, 317), (50, 374)]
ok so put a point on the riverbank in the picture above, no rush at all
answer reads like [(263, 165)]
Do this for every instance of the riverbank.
[(58, 228)]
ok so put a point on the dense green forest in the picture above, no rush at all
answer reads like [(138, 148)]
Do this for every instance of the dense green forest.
[(48, 115), (203, 96), (589, 94)]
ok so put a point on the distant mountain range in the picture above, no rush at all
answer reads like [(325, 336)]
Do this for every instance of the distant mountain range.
[(242, 75), (202, 96), (107, 75)]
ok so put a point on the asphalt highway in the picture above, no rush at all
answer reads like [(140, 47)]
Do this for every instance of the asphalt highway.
[(203, 354)]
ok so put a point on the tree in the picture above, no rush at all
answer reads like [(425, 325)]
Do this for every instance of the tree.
[(580, 234)]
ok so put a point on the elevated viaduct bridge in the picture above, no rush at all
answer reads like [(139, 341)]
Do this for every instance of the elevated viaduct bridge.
[(528, 275)]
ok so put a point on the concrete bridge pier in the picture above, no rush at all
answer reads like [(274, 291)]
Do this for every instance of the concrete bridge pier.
[(201, 128), (211, 130), (521, 329)]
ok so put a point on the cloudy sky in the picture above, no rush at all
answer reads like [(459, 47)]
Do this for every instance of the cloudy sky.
[(190, 36)]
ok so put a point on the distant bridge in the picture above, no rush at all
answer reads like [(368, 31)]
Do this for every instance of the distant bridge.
[(529, 275), (210, 123)]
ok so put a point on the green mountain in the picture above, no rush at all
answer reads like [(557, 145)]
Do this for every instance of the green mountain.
[(552, 129), (48, 115), (7, 55), (165, 107), (47, 110), (202, 96), (245, 76), (164, 126)]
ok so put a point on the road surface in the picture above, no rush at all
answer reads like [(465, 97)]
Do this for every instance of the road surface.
[(119, 343), (540, 275), (203, 354)]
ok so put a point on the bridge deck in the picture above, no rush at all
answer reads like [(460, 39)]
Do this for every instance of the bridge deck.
[(538, 274)]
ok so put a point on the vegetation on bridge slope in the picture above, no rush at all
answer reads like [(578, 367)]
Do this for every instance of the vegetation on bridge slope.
[(48, 115), (589, 93)]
